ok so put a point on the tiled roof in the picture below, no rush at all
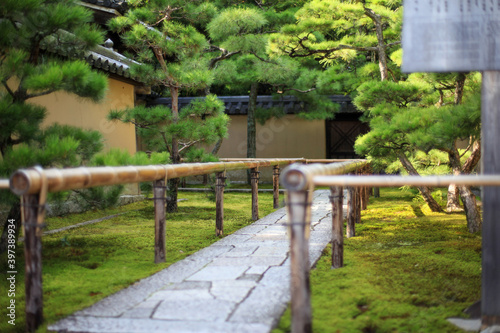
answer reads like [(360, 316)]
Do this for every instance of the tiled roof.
[(110, 61), (238, 105), (100, 57)]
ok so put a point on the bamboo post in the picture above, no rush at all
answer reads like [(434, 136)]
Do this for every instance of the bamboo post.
[(351, 213), (299, 219), (362, 198), (358, 204), (159, 190), (337, 200), (276, 186), (220, 183), (254, 177), (32, 225), (368, 193)]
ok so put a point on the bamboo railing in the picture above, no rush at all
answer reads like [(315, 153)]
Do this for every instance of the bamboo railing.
[(300, 180), (4, 184), (34, 184)]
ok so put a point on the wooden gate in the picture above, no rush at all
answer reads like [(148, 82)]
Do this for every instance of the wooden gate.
[(341, 134)]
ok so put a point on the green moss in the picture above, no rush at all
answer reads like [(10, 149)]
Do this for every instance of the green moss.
[(86, 264), (407, 270)]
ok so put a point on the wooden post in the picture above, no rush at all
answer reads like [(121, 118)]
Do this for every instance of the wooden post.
[(159, 190), (376, 192), (490, 140), (32, 224), (351, 213), (276, 186), (254, 178), (367, 196), (358, 204), (220, 183), (362, 198), (337, 200), (299, 219)]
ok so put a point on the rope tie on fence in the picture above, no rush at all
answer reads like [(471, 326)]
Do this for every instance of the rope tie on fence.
[(42, 203), (255, 175), (333, 197), (303, 204), (297, 223), (223, 182)]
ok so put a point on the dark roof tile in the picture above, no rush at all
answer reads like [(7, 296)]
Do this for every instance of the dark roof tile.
[(238, 105)]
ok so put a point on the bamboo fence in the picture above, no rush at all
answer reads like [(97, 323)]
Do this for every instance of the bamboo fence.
[(4, 184), (300, 180), (34, 184)]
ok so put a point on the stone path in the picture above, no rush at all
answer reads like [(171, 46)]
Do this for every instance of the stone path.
[(239, 284)]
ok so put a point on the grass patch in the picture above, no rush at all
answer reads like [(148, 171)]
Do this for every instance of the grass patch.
[(407, 270), (83, 265)]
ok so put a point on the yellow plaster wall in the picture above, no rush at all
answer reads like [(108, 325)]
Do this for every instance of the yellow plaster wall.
[(68, 109), (288, 136)]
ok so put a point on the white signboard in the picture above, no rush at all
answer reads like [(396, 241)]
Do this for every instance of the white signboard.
[(451, 35)]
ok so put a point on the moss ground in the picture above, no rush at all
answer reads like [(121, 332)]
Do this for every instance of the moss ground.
[(86, 264), (407, 270)]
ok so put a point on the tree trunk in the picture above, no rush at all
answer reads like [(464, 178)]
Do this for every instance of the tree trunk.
[(470, 206), (14, 214), (217, 146), (424, 190), (469, 165), (382, 57), (453, 203), (473, 159), (251, 130), (459, 88), (173, 184), (472, 214)]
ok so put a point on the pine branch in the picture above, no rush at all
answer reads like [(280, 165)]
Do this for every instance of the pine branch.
[(167, 14), (47, 92), (259, 4), (468, 147), (190, 144), (264, 60), (298, 90), (392, 44), (11, 93), (217, 146), (294, 53), (225, 55)]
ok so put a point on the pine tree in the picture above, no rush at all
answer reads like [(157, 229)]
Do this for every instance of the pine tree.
[(403, 121), (391, 120), (32, 32), (170, 52), (337, 30), (240, 35)]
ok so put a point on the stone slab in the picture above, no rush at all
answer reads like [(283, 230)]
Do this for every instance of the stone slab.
[(469, 325), (129, 325), (248, 261), (214, 273), (232, 291), (206, 310)]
